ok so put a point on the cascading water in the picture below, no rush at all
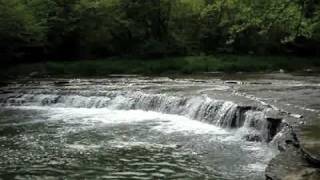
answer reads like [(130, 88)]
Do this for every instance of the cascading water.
[(217, 112), (75, 111)]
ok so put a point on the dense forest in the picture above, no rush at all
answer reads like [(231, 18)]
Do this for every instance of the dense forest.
[(65, 29)]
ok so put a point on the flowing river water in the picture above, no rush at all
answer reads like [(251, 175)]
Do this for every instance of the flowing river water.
[(133, 128)]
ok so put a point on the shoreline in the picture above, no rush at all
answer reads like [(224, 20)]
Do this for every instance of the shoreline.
[(189, 65)]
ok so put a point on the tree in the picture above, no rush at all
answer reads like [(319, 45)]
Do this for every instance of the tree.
[(20, 31), (65, 29)]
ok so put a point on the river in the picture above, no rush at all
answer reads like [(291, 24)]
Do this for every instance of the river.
[(138, 128)]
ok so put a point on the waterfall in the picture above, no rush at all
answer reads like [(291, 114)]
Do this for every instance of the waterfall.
[(221, 113)]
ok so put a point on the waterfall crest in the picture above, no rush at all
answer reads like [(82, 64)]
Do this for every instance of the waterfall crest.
[(221, 113)]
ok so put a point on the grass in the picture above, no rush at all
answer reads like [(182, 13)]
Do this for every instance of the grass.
[(176, 65)]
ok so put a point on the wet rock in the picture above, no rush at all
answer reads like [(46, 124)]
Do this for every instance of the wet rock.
[(273, 127), (285, 138), (296, 116), (291, 165), (273, 114), (302, 122), (232, 82), (61, 83), (198, 81), (274, 120)]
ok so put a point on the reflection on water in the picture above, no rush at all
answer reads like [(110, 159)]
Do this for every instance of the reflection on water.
[(80, 143)]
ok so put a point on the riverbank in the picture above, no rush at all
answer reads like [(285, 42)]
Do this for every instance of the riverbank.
[(173, 65)]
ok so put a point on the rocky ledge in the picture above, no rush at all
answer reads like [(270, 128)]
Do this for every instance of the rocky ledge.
[(293, 162)]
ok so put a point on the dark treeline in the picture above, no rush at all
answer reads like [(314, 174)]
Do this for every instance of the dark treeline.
[(62, 29)]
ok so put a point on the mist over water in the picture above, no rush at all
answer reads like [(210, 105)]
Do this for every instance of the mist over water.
[(66, 132)]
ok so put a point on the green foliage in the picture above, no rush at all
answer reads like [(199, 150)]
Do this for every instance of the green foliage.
[(20, 30), (157, 28)]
